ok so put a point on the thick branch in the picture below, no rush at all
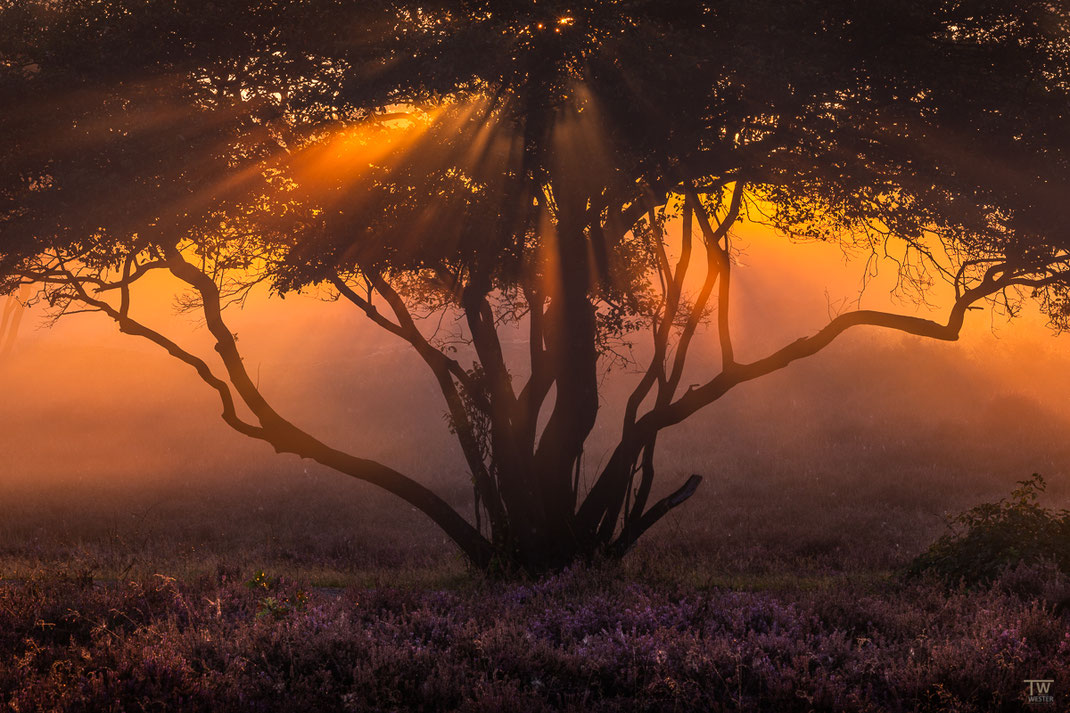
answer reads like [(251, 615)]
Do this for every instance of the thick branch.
[(488, 346), (285, 437), (135, 328), (535, 391), (657, 511), (444, 370), (572, 337), (601, 498), (709, 392), (719, 262)]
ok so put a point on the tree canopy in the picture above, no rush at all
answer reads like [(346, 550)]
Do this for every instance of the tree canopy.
[(522, 163)]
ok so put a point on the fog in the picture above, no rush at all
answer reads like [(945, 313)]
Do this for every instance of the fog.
[(97, 420)]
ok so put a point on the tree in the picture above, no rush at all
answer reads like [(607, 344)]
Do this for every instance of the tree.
[(522, 165)]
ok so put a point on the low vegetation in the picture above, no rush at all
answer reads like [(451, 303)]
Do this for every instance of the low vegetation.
[(989, 538), (583, 640)]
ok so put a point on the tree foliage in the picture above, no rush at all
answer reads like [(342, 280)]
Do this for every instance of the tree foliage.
[(522, 164)]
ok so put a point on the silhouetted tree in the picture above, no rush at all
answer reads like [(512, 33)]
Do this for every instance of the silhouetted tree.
[(523, 164)]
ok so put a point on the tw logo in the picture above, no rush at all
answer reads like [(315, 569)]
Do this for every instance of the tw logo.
[(1040, 690)]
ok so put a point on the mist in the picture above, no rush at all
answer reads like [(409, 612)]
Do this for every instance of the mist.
[(880, 433)]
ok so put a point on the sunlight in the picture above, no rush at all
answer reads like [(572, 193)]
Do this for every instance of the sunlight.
[(10, 320), (346, 154)]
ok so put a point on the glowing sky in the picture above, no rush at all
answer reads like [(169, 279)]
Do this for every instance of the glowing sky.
[(82, 401)]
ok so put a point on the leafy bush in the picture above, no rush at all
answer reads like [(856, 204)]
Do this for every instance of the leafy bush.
[(988, 539)]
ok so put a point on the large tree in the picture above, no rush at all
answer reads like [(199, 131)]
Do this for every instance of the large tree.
[(571, 171)]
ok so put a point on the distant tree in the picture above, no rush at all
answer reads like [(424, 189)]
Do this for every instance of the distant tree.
[(522, 164)]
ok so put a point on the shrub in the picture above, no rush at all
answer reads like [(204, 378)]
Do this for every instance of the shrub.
[(990, 538)]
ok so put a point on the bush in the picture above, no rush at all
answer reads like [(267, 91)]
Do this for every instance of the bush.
[(988, 539)]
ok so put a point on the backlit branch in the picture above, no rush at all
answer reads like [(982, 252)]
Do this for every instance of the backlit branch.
[(662, 331), (285, 437), (66, 284), (444, 370), (127, 325), (535, 391), (698, 397), (719, 264), (600, 510)]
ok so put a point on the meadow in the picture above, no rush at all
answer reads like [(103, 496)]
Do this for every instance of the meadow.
[(236, 580)]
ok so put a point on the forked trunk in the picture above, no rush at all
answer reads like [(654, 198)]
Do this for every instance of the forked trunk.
[(544, 533)]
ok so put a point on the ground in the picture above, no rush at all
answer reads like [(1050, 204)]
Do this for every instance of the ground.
[(778, 587)]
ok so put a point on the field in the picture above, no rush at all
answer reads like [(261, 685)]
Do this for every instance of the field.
[(237, 580)]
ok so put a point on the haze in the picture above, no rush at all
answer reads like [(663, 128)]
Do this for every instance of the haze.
[(100, 424)]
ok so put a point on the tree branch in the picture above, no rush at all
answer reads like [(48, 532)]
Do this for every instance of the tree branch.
[(534, 393), (127, 325), (662, 332), (601, 499), (658, 510), (285, 437), (444, 370), (719, 262), (697, 398)]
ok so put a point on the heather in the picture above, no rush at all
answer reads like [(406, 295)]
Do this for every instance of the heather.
[(587, 639)]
